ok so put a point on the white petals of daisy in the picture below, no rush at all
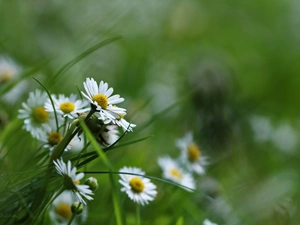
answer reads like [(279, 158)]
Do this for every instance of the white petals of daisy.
[(138, 188), (36, 118), (173, 172), (67, 106), (8, 70), (208, 222), (100, 97), (72, 180), (191, 154)]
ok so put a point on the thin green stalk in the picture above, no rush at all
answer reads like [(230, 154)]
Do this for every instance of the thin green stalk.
[(138, 214)]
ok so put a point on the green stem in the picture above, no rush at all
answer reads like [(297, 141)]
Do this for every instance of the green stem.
[(138, 214)]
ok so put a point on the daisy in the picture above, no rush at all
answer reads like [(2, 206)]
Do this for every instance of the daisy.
[(60, 210), (138, 188), (8, 70), (50, 137), (67, 106), (100, 97), (35, 116), (173, 172), (72, 180), (191, 154), (208, 222)]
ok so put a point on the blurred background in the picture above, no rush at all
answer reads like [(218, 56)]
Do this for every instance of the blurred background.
[(228, 71)]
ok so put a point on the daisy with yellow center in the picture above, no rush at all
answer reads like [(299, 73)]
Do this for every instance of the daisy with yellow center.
[(138, 188), (71, 180), (8, 70), (101, 97), (60, 211), (190, 154), (173, 172), (67, 106), (36, 118)]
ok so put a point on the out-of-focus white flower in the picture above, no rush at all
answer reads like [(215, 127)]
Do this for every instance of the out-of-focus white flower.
[(36, 118), (60, 211), (173, 172), (208, 222), (191, 154)]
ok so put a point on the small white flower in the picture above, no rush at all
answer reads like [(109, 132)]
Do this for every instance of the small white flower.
[(173, 172), (36, 118), (138, 188), (72, 180), (8, 70), (100, 97), (50, 137), (67, 106), (191, 154), (60, 211), (208, 222)]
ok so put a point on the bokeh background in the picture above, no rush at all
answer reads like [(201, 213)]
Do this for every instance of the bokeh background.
[(226, 70)]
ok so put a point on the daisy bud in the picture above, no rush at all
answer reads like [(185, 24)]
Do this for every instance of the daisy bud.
[(92, 183), (77, 207)]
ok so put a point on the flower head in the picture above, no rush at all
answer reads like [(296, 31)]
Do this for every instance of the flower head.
[(35, 116), (191, 154), (138, 188), (72, 180), (8, 70), (173, 172), (100, 97), (60, 211), (67, 106)]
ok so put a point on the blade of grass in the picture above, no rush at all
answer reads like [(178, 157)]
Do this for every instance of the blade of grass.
[(115, 194)]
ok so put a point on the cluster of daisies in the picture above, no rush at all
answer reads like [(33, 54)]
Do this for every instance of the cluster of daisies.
[(190, 162), (48, 119)]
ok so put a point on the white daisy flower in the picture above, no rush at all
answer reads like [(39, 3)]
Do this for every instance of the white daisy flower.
[(208, 222), (67, 106), (191, 154), (50, 137), (138, 188), (173, 172), (109, 135), (8, 70), (100, 97), (36, 118), (60, 211), (72, 180)]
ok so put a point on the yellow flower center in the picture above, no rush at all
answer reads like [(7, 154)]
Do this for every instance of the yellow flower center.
[(54, 138), (176, 173), (76, 181), (40, 115), (67, 107), (6, 76), (64, 210), (137, 184), (193, 152), (101, 99)]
